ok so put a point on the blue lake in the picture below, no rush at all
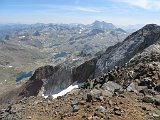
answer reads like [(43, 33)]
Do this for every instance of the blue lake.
[(23, 75), (60, 55)]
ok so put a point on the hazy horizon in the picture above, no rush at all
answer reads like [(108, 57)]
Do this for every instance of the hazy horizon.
[(130, 26), (118, 12)]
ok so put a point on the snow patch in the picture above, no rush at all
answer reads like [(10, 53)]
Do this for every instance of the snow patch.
[(65, 91), (74, 59), (22, 37)]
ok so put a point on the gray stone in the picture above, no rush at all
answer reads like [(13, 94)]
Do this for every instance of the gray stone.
[(75, 108), (117, 113), (111, 86), (116, 108), (107, 93), (95, 93), (101, 98), (29, 117), (157, 88), (4, 115), (132, 88), (75, 102), (89, 98), (145, 82), (101, 109), (13, 111), (155, 115), (3, 111), (147, 91), (148, 99), (157, 100), (144, 108), (84, 118)]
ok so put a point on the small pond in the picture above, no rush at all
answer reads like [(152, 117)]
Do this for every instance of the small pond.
[(23, 75), (60, 55)]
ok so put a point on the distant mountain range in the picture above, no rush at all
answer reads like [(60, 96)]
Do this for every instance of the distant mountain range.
[(24, 48), (84, 40)]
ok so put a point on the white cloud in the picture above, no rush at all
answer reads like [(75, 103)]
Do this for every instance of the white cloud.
[(45, 8), (85, 9), (145, 4)]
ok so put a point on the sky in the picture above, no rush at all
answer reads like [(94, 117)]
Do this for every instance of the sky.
[(118, 12)]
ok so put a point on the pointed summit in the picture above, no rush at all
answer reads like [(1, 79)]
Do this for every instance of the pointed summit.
[(102, 25), (148, 30)]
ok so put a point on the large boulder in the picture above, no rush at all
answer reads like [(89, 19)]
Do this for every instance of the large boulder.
[(111, 86)]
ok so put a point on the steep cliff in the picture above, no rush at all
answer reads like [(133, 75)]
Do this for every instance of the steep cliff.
[(50, 80), (122, 52)]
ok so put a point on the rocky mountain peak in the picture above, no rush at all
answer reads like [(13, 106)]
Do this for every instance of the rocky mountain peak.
[(150, 26), (102, 25), (121, 53), (147, 30)]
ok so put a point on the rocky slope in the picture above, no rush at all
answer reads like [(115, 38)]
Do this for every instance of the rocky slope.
[(121, 53), (12, 54)]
